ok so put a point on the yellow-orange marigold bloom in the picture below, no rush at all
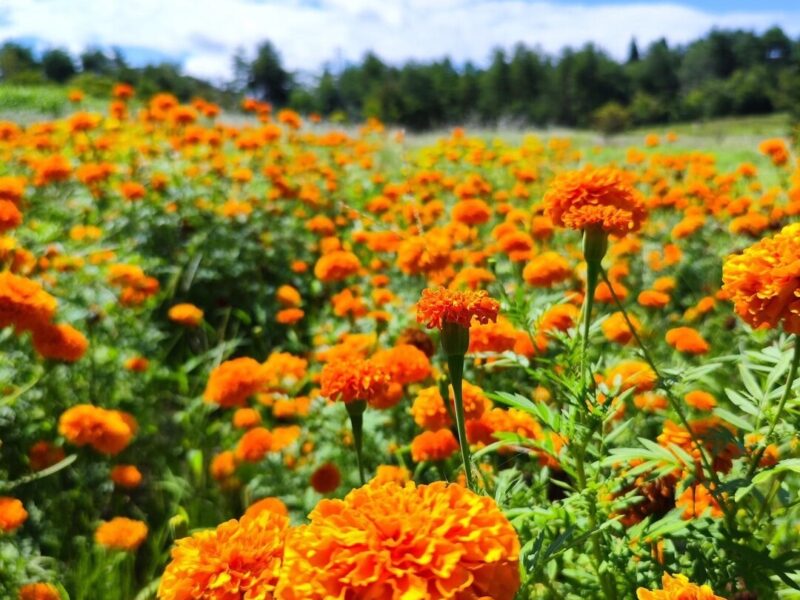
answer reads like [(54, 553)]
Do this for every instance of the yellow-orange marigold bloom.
[(10, 216), (695, 500), (653, 299), (595, 198), (121, 533), (392, 473), (137, 364), (39, 591), (12, 514), (700, 400), (234, 381), (254, 445), (493, 337), (546, 270), (238, 560), (126, 476), (288, 296), (353, 379), (434, 445), (245, 418), (429, 411), (326, 478), (632, 374), (289, 316), (59, 342), (283, 370), (107, 431), (616, 329), (404, 363), (223, 466), (439, 306), (274, 505), (677, 587), (764, 281), (471, 212), (23, 302), (336, 266), (687, 340), (186, 314), (446, 541)]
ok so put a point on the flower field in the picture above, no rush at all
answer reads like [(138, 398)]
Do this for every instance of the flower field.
[(281, 360)]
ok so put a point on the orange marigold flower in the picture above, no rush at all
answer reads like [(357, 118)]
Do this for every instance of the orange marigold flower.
[(653, 299), (677, 587), (273, 505), (632, 374), (695, 500), (429, 411), (392, 473), (616, 329), (289, 316), (245, 418), (10, 216), (126, 476), (288, 296), (12, 514), (237, 560), (493, 337), (336, 266), (234, 381), (59, 342), (107, 431), (471, 549), (326, 478), (354, 379), (223, 466), (186, 314), (688, 340), (283, 370), (39, 591), (434, 445), (254, 445), (404, 363), (764, 281), (137, 364), (121, 533), (471, 212), (595, 198), (439, 306), (23, 303), (700, 400), (546, 270), (44, 454)]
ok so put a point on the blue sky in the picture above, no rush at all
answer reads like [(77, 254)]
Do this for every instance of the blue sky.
[(204, 34)]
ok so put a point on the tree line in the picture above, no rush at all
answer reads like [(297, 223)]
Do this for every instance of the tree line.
[(725, 73)]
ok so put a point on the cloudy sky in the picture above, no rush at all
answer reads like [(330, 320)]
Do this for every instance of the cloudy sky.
[(203, 34)]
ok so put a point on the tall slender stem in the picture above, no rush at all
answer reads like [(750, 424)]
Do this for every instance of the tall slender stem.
[(455, 363), (355, 411)]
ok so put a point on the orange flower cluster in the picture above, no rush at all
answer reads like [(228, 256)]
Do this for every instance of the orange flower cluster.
[(446, 542), (121, 533), (355, 379), (595, 198), (237, 560), (677, 587), (430, 412), (687, 340), (12, 514), (234, 381), (186, 314), (439, 306), (764, 281), (434, 445), (39, 591), (107, 431)]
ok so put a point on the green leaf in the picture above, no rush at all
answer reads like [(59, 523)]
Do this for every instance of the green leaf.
[(733, 419)]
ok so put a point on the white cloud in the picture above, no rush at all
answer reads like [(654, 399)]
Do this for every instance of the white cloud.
[(308, 33)]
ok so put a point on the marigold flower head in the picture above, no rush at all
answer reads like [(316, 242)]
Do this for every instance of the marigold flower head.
[(764, 281), (336, 266), (434, 445), (274, 505), (289, 316), (10, 216), (23, 303), (44, 454), (121, 533), (595, 198), (12, 514), (349, 380), (288, 296), (404, 363), (326, 478), (59, 342), (546, 270), (653, 299), (446, 542), (700, 400), (126, 476), (439, 306), (687, 340), (616, 329), (632, 374), (234, 381), (223, 466), (677, 587), (429, 411), (254, 445), (238, 560), (39, 591), (185, 314), (107, 431), (392, 473)]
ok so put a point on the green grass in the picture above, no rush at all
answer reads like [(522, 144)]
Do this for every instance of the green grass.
[(27, 104)]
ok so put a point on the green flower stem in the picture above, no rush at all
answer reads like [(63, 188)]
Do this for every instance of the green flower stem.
[(355, 411), (787, 392), (455, 363)]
